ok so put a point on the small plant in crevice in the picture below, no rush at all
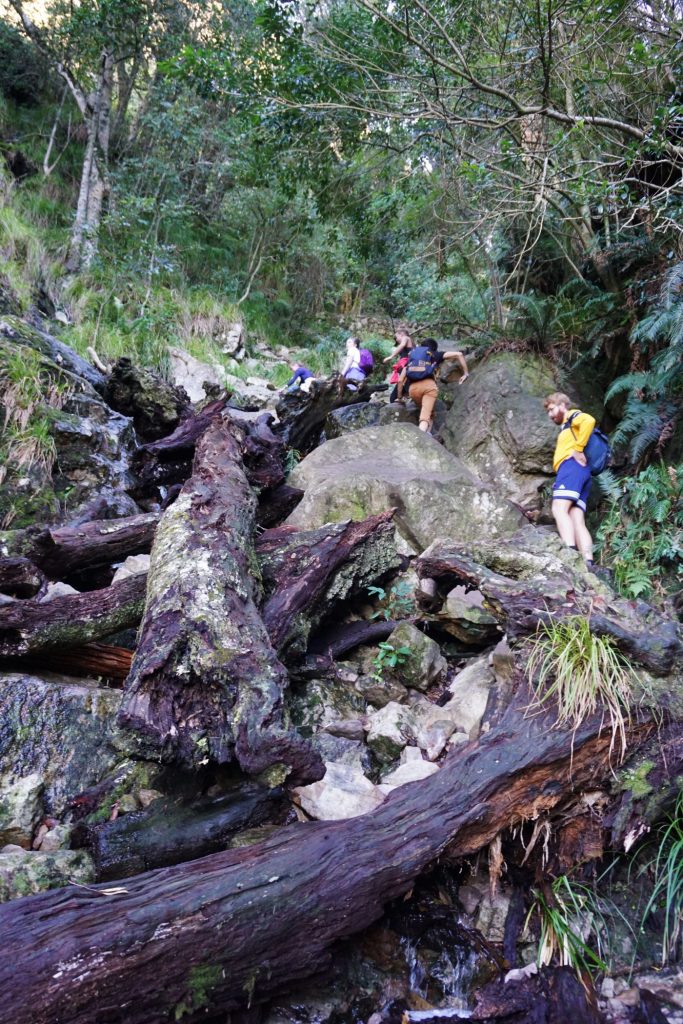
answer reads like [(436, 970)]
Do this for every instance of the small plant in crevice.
[(667, 892), (583, 674), (573, 930), (292, 460), (397, 602), (387, 659)]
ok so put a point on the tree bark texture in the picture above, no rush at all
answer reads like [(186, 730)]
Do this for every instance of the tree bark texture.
[(206, 681), (523, 601), (232, 929), (20, 578), (100, 542), (302, 415), (156, 406), (94, 659), (71, 620), (308, 573)]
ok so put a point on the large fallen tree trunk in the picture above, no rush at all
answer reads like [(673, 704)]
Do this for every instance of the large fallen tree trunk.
[(71, 620), (536, 594), (206, 681), (302, 415), (232, 929), (308, 573), (112, 663)]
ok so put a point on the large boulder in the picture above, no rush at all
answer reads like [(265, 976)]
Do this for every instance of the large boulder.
[(497, 425), (57, 738), (367, 414), (399, 466)]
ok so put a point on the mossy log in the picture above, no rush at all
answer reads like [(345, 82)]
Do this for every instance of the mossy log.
[(171, 832), (524, 601), (71, 620), (307, 573), (100, 542), (230, 930), (20, 578), (206, 682)]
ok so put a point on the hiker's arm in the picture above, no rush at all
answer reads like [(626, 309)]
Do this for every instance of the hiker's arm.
[(461, 362), (400, 385), (399, 348)]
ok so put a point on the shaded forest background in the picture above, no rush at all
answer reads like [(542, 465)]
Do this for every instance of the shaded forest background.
[(507, 175)]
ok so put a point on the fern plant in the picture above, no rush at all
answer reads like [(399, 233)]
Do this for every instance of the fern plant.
[(654, 395), (641, 533)]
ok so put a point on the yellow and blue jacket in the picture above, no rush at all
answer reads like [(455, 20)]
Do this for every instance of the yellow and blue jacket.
[(573, 438)]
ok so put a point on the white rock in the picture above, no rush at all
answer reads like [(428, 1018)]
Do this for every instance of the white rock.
[(470, 690), (133, 566), (57, 590), (344, 792), (408, 772)]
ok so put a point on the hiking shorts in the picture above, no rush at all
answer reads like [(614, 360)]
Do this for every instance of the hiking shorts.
[(424, 393), (572, 483)]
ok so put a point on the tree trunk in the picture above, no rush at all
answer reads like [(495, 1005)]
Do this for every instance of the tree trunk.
[(99, 542), (205, 681), (232, 929), (94, 175), (20, 578), (72, 620)]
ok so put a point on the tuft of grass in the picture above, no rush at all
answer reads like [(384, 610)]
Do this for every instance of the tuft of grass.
[(583, 673), (569, 915), (28, 389), (667, 892)]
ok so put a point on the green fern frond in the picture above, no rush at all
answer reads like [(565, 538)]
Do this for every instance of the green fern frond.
[(629, 382)]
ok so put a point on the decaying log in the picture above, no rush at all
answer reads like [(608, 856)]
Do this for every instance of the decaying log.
[(302, 415), (169, 832), (307, 573), (336, 642), (234, 928), (101, 542), (275, 504), (156, 405), (71, 620), (522, 602), (19, 577), (90, 660), (554, 995), (205, 681)]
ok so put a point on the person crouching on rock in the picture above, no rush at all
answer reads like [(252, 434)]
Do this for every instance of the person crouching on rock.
[(351, 370), (301, 378), (573, 480), (419, 376)]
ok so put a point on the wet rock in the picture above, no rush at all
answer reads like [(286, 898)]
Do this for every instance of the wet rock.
[(344, 792), (425, 665), (23, 872), (497, 425), (465, 617), (379, 692), (399, 466), (57, 738)]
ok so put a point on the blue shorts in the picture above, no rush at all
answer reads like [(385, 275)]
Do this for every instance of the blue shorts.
[(572, 483)]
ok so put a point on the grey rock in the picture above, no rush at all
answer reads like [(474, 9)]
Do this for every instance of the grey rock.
[(344, 792), (380, 692), (425, 665), (398, 466), (25, 873), (465, 618)]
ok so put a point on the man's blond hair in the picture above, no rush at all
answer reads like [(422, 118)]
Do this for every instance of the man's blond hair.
[(557, 398)]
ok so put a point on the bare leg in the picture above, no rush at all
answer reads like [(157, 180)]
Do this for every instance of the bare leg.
[(561, 510), (584, 541)]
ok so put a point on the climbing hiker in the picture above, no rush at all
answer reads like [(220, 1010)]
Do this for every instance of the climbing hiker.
[(404, 343), (419, 376), (573, 480), (351, 370), (300, 379)]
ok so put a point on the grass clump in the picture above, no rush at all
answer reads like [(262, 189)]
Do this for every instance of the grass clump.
[(28, 390), (667, 892), (570, 915), (583, 674)]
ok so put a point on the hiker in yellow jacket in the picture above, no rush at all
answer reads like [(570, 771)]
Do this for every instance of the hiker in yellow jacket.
[(573, 481)]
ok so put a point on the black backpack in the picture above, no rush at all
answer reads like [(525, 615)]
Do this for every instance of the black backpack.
[(421, 364)]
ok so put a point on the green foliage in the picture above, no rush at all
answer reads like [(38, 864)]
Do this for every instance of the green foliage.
[(654, 394), (23, 71), (641, 533), (397, 603), (29, 390), (387, 659), (667, 892), (582, 674), (570, 915)]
